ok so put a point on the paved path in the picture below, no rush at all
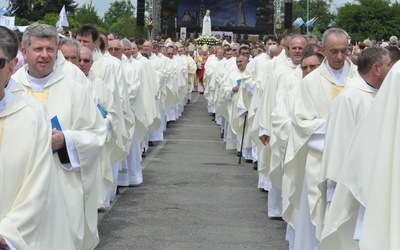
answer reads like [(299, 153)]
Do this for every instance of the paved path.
[(194, 196)]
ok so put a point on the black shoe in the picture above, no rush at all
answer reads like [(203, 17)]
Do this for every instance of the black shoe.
[(255, 166), (143, 154), (222, 135), (151, 144), (249, 161)]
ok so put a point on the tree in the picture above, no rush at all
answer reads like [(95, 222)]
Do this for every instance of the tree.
[(117, 10), (317, 8), (34, 10), (376, 19), (120, 19), (87, 14), (265, 11)]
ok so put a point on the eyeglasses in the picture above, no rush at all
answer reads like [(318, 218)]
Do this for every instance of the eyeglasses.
[(170, 54), (3, 62), (84, 60), (336, 52), (114, 49)]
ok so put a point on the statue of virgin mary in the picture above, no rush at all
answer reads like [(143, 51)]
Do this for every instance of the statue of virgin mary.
[(206, 31)]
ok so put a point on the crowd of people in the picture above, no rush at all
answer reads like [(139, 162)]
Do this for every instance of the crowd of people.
[(306, 113)]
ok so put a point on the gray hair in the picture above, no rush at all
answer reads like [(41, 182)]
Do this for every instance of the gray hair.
[(370, 56), (71, 43), (89, 50), (246, 58), (39, 31), (8, 42), (126, 42), (121, 44), (393, 40), (336, 31)]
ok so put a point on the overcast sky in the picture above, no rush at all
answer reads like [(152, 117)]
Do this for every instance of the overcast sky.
[(103, 5)]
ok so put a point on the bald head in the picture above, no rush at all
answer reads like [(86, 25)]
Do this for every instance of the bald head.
[(85, 60), (147, 48)]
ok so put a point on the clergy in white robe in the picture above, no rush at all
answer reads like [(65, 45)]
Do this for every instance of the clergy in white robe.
[(304, 149), (231, 88), (83, 131), (370, 170), (281, 125), (348, 108), (31, 198)]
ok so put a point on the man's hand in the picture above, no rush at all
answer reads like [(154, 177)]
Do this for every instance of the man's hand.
[(264, 139), (3, 244), (236, 88), (57, 140)]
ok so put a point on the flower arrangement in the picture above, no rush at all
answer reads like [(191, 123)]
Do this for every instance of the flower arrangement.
[(209, 40)]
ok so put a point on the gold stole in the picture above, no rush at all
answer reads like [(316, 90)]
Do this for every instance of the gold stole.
[(336, 90), (42, 96)]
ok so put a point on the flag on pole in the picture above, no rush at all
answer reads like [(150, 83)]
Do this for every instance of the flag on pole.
[(311, 21), (298, 22), (62, 19), (7, 21)]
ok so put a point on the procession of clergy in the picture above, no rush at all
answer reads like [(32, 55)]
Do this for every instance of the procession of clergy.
[(104, 102), (323, 141), (77, 116)]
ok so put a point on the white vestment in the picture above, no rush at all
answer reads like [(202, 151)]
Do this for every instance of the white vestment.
[(82, 123), (370, 170), (304, 149), (32, 211), (348, 108)]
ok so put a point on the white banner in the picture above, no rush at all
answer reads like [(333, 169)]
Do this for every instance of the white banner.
[(7, 21), (183, 33)]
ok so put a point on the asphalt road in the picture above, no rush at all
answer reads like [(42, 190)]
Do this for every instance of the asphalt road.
[(194, 196)]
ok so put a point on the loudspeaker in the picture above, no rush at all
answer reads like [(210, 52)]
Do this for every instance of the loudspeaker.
[(140, 13), (288, 15)]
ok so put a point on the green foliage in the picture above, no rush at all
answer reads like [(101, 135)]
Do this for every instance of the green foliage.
[(265, 11), (118, 10), (21, 21), (317, 8), (376, 19), (34, 10), (87, 14), (126, 27), (50, 19), (120, 19)]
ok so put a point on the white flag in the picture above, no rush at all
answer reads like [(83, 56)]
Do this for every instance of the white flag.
[(311, 21), (62, 19), (298, 22), (7, 21)]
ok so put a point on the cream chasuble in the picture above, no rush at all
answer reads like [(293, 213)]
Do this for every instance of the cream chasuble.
[(107, 69), (32, 211), (264, 111), (79, 116), (280, 125), (262, 82), (103, 96), (147, 112), (347, 109), (303, 159), (371, 168)]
